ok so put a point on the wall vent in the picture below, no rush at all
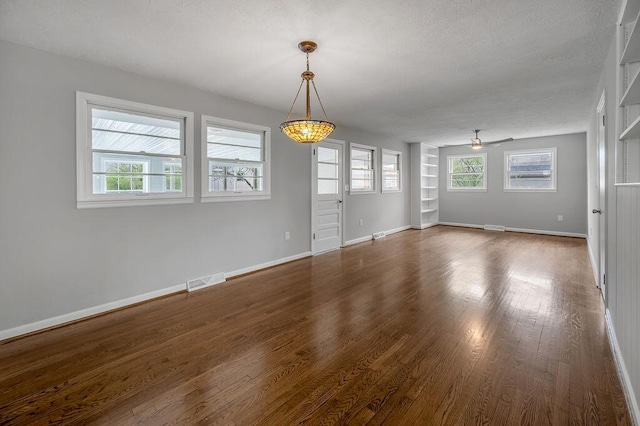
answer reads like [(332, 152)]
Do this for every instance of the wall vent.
[(494, 228), (379, 235), (199, 283)]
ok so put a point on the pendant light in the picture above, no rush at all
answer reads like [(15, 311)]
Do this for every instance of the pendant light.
[(307, 130), (476, 143)]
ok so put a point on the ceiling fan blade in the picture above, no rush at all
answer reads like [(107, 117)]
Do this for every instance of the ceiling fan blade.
[(500, 141)]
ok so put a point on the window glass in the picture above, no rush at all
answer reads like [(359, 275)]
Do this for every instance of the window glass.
[(530, 170)]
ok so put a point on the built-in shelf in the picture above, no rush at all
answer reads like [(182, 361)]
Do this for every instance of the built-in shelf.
[(632, 95), (633, 131), (424, 190), (632, 49)]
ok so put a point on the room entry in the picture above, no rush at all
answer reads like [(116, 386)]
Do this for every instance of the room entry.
[(327, 191), (600, 209)]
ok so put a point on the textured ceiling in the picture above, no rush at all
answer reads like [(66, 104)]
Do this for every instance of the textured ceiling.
[(418, 70)]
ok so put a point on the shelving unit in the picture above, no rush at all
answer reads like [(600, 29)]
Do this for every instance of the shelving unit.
[(628, 144), (424, 186)]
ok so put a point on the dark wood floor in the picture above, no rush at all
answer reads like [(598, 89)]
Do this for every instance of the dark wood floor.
[(441, 326)]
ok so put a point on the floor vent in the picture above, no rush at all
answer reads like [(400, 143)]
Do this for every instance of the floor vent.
[(494, 228), (379, 235), (203, 282)]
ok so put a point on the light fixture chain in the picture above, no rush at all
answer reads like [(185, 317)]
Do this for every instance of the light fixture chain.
[(319, 101), (295, 99)]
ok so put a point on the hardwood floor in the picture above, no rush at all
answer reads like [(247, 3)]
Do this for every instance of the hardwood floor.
[(441, 326)]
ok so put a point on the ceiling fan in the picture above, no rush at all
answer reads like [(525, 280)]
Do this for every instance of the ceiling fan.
[(476, 143)]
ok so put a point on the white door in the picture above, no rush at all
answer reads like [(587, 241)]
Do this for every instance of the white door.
[(600, 209), (328, 192)]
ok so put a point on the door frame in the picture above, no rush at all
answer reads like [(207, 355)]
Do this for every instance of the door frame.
[(601, 169), (314, 194)]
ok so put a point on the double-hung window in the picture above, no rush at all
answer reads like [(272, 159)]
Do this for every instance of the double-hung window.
[(530, 170), (467, 172), (235, 160), (130, 153), (363, 168), (391, 170)]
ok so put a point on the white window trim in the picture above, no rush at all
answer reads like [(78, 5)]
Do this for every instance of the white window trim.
[(212, 197), (554, 171), (484, 174), (390, 152), (84, 162), (374, 163)]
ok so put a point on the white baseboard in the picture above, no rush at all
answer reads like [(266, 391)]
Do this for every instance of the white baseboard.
[(95, 310), (370, 237), (267, 264), (464, 225), (527, 231), (84, 313), (630, 395), (594, 264)]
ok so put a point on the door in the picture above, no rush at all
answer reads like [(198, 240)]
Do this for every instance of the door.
[(328, 194), (600, 209)]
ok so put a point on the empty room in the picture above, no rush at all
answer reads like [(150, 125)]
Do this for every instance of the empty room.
[(280, 213)]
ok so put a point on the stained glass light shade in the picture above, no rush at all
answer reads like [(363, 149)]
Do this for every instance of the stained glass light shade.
[(307, 131)]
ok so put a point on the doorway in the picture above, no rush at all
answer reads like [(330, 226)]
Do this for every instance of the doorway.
[(327, 189)]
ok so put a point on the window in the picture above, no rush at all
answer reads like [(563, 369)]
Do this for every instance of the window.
[(235, 160), (530, 170), (391, 170), (123, 149), (363, 172), (467, 172)]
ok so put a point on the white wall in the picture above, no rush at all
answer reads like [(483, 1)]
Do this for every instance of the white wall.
[(524, 210), (56, 259), (622, 233)]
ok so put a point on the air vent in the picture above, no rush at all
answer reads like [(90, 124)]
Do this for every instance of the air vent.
[(379, 235), (204, 282), (494, 228)]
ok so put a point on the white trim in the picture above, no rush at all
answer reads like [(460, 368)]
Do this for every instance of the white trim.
[(132, 203), (594, 265), (627, 387), (88, 312), (100, 309), (484, 172), (267, 264), (523, 230), (208, 197), (85, 198), (370, 237), (374, 164), (358, 240), (554, 171), (426, 225)]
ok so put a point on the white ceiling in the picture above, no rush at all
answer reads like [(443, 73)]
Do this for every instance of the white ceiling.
[(418, 70)]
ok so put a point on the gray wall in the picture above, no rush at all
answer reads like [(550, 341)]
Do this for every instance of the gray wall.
[(526, 210), (55, 259)]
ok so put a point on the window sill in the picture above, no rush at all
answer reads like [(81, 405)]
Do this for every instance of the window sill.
[(391, 191), (362, 192), (234, 197), (142, 201), (466, 190), (529, 190)]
